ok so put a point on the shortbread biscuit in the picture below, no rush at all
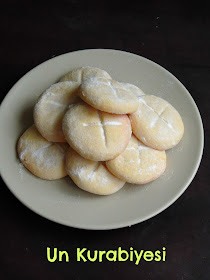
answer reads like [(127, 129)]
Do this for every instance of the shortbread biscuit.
[(110, 96), (157, 123), (91, 176), (135, 90), (51, 107), (96, 135), (138, 164), (43, 158), (83, 73)]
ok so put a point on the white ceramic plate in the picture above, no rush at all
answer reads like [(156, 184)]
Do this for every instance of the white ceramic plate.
[(61, 201)]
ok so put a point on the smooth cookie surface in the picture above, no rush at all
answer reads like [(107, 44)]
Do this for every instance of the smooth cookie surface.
[(96, 135), (91, 176), (157, 123), (43, 158), (138, 164)]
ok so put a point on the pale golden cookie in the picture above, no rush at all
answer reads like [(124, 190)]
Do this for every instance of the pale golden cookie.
[(110, 96), (135, 90), (83, 73), (43, 158), (138, 164), (91, 176), (157, 123), (51, 107), (96, 135)]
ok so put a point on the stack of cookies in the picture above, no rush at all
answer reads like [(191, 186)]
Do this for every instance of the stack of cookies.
[(100, 132)]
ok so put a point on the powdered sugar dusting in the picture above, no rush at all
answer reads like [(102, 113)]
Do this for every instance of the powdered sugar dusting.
[(137, 91), (140, 147), (152, 168), (57, 103), (38, 155), (143, 139), (79, 172), (152, 124), (20, 170), (39, 152), (130, 148), (95, 82), (168, 174), (105, 123)]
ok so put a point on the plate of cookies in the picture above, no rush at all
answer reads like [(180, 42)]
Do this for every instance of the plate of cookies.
[(99, 139)]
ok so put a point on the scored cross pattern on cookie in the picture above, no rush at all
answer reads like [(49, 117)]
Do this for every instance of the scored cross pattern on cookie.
[(153, 123), (159, 117), (105, 123), (102, 126), (56, 103), (138, 150), (114, 88)]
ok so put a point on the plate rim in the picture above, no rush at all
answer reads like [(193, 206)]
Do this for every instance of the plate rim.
[(136, 220)]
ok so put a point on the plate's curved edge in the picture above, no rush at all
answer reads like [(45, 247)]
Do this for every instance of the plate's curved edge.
[(134, 221)]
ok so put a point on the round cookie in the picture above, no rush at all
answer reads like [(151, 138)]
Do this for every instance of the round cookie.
[(138, 164), (83, 73), (51, 107), (43, 158), (157, 123), (135, 90), (91, 176), (110, 96), (96, 135)]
